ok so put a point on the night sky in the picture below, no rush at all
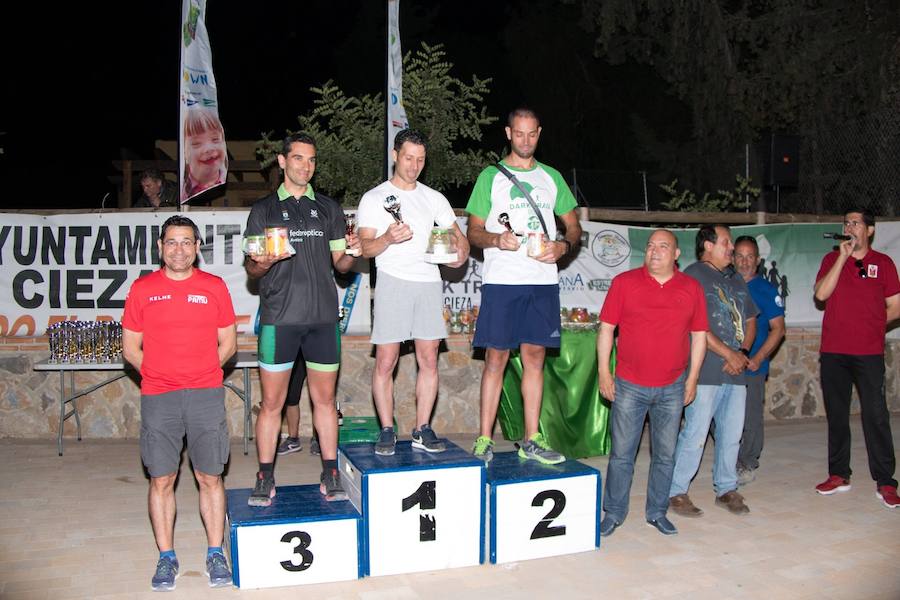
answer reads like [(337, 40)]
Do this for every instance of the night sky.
[(111, 84)]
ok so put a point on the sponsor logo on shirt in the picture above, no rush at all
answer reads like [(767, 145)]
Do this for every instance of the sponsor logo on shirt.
[(296, 234), (872, 272), (313, 213), (197, 299), (158, 298)]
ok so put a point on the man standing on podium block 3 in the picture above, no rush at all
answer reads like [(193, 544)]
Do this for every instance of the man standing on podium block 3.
[(520, 295), (408, 295), (861, 292), (661, 316), (298, 310), (178, 329)]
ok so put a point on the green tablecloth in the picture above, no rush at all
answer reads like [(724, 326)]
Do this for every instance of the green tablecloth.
[(574, 417)]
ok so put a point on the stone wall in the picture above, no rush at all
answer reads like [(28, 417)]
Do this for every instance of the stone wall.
[(29, 400)]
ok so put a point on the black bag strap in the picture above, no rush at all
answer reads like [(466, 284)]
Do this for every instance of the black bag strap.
[(524, 191)]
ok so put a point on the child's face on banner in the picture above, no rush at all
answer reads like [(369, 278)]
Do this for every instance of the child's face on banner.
[(206, 156)]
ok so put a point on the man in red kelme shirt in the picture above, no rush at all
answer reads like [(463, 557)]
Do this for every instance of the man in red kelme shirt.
[(662, 322), (861, 292), (178, 330)]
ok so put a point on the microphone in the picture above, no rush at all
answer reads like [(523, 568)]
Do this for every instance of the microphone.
[(836, 236)]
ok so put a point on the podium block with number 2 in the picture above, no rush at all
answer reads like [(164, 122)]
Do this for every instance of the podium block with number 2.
[(300, 539), (541, 510), (421, 511)]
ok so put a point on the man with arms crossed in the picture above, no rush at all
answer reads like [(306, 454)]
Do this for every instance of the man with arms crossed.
[(722, 387), (408, 294), (178, 329), (298, 310), (661, 316), (520, 295), (861, 292), (769, 333)]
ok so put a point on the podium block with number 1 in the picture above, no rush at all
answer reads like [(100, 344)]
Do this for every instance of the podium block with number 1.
[(421, 511)]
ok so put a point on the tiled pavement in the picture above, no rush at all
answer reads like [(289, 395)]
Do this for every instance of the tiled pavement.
[(76, 527)]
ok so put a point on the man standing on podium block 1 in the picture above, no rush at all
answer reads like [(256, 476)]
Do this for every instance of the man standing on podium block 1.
[(178, 329), (661, 316), (408, 295)]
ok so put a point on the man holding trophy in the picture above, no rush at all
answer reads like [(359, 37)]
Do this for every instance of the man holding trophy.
[(305, 240), (512, 215), (395, 226)]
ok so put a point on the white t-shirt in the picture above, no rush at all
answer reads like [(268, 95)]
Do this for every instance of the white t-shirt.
[(494, 194), (420, 208)]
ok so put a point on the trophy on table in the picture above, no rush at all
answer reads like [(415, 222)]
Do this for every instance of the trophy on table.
[(392, 205)]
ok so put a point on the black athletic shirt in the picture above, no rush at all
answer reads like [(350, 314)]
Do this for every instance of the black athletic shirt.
[(300, 290)]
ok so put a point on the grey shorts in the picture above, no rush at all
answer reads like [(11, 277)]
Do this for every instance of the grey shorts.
[(407, 310), (198, 414)]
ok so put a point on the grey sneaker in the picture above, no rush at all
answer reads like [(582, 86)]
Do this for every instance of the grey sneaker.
[(166, 573), (217, 570), (331, 486), (289, 445), (745, 475), (263, 492), (425, 439), (314, 446), (483, 448), (387, 439), (537, 448)]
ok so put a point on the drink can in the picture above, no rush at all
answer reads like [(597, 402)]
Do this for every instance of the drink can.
[(276, 240), (535, 245)]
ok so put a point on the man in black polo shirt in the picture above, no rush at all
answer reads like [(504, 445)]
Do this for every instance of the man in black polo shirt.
[(298, 309)]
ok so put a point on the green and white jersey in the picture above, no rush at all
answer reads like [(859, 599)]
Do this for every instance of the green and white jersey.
[(494, 194)]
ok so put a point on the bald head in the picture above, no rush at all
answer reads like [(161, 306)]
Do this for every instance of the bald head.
[(661, 253)]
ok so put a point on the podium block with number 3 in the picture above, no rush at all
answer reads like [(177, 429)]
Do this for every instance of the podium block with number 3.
[(541, 510), (300, 539), (421, 511)]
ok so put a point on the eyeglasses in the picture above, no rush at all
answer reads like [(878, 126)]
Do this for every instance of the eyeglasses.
[(861, 267)]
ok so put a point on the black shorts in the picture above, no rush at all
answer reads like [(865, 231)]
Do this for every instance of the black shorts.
[(198, 414), (280, 345)]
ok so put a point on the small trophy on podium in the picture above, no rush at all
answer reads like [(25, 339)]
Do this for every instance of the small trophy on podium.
[(392, 205)]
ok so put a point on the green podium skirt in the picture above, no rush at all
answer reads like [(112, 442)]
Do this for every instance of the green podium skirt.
[(574, 417)]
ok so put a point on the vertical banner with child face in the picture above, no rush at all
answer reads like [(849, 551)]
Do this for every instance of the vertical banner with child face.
[(204, 159), (396, 114)]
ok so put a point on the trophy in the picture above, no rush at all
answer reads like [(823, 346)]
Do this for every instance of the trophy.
[(350, 221), (504, 220), (392, 205), (441, 249)]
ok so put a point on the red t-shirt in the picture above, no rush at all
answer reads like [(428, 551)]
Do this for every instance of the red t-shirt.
[(855, 314), (655, 321), (180, 322)]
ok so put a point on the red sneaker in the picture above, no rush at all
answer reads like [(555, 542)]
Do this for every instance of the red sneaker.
[(888, 495), (835, 484)]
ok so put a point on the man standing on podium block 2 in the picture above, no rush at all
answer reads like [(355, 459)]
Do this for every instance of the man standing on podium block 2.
[(298, 310), (178, 329), (661, 316), (861, 292), (408, 295), (520, 295)]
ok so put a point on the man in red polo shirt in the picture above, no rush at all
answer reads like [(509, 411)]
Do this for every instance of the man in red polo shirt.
[(661, 316), (178, 329), (861, 292)]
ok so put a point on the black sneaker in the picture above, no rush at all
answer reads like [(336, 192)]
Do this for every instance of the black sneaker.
[(387, 439), (263, 492), (314, 446), (331, 486), (289, 445), (425, 439)]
